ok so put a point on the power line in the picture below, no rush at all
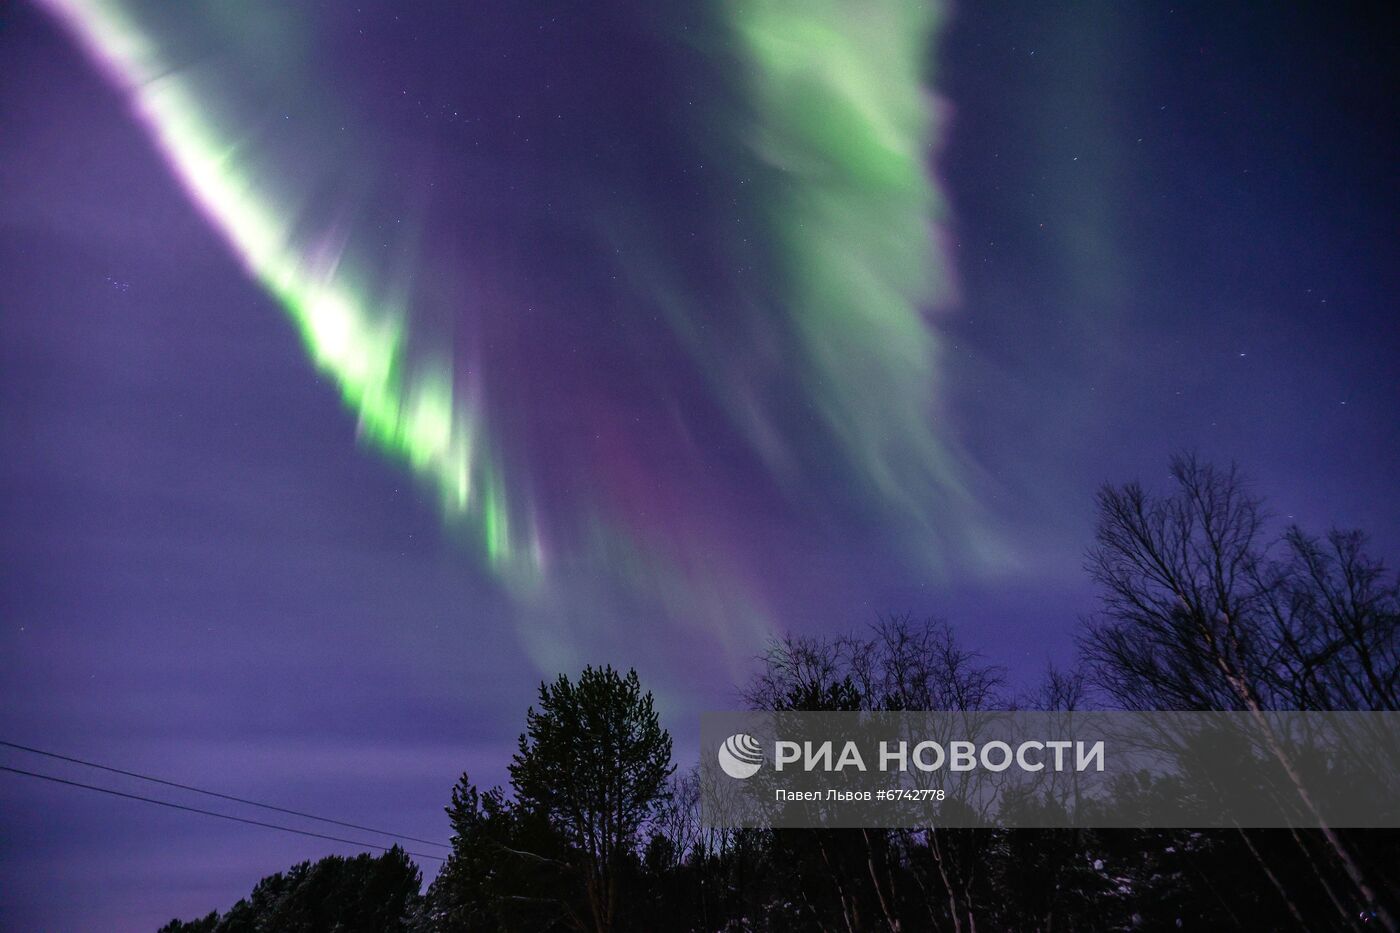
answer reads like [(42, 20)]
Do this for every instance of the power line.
[(222, 816), (211, 793)]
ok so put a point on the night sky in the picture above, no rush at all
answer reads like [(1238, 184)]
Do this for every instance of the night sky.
[(360, 366)]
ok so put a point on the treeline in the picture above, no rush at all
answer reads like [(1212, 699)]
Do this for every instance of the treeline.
[(1202, 609)]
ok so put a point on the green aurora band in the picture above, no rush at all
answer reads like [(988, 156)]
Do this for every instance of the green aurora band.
[(413, 412), (842, 117)]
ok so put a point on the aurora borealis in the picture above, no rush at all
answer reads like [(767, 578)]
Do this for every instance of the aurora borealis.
[(352, 331), (362, 364), (831, 136)]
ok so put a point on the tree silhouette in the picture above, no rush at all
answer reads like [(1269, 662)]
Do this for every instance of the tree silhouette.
[(593, 761), (1198, 616), (360, 894)]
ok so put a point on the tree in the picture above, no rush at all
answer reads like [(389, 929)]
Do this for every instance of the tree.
[(859, 875), (359, 894), (507, 870), (206, 924), (1198, 615), (1338, 612), (1202, 611), (594, 762), (1181, 622)]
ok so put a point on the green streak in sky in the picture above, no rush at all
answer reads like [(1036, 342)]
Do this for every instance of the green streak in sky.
[(411, 410), (841, 116)]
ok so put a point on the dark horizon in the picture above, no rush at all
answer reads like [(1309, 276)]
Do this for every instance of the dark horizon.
[(1166, 228)]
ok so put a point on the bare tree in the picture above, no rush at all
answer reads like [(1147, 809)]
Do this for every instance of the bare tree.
[(1337, 612), (1198, 616), (899, 664)]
